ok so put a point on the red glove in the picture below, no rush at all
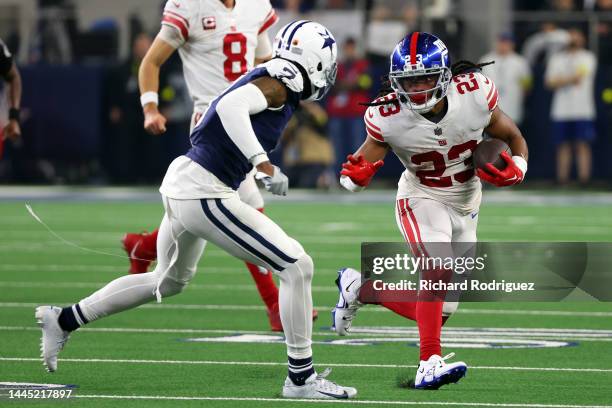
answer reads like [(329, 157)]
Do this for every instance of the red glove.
[(360, 170), (509, 176)]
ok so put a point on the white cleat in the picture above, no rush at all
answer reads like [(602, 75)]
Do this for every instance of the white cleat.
[(348, 282), (434, 373), (317, 387), (53, 337)]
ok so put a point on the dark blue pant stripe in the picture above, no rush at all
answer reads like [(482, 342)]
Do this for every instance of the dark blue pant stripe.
[(236, 238), (253, 233), (81, 315)]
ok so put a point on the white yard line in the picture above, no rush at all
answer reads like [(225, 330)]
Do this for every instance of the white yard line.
[(449, 334), (51, 246), (238, 269), (349, 402), (268, 363), (178, 306), (95, 285)]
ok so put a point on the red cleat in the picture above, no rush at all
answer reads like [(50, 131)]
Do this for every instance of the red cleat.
[(275, 322), (139, 251)]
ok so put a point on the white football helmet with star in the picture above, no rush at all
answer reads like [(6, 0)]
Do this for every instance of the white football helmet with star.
[(314, 48)]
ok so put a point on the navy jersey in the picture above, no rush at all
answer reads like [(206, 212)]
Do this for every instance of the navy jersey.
[(212, 148)]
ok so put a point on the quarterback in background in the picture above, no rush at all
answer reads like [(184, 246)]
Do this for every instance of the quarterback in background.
[(218, 41), (432, 116)]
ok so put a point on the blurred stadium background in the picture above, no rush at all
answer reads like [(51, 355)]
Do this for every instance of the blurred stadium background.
[(82, 121)]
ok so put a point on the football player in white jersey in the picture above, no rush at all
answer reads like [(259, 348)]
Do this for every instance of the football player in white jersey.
[(432, 117), (238, 130), (218, 41)]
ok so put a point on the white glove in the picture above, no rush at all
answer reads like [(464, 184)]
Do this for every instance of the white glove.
[(277, 184), (347, 183), (286, 72)]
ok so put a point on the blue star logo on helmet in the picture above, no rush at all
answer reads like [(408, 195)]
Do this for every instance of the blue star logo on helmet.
[(328, 40)]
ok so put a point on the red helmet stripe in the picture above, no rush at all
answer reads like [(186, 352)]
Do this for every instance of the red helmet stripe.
[(413, 47)]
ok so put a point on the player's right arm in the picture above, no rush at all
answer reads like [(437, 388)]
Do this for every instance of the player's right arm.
[(148, 81), (360, 167), (178, 17), (372, 150), (235, 109)]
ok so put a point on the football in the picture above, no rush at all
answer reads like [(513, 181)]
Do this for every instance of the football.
[(488, 151)]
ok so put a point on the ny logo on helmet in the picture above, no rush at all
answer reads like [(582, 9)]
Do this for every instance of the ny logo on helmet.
[(442, 48)]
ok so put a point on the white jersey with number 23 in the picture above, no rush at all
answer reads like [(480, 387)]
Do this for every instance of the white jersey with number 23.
[(438, 156)]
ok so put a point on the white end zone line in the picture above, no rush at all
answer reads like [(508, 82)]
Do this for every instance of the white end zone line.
[(350, 402), (283, 364)]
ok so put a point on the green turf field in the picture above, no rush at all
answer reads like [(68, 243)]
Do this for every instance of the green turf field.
[(141, 358)]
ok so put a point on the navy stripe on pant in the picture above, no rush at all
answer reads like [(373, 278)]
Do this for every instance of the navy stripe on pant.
[(231, 235)]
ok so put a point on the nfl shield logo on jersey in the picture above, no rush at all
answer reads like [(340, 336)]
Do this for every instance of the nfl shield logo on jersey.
[(209, 23)]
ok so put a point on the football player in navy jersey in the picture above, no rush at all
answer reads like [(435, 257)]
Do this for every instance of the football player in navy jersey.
[(235, 134)]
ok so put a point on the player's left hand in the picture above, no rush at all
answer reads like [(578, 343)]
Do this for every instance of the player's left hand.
[(509, 176), (12, 131), (360, 170), (277, 183)]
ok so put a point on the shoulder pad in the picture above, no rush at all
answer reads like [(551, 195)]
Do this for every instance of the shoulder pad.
[(180, 14), (374, 116), (479, 87), (286, 72)]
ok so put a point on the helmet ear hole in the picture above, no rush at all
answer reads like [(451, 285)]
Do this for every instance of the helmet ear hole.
[(320, 67)]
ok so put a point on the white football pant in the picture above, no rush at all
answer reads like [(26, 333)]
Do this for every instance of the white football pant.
[(423, 222), (240, 230)]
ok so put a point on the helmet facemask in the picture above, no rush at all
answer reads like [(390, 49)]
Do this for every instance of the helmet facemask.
[(324, 82), (424, 100)]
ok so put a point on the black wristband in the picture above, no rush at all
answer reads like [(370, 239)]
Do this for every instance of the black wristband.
[(14, 114)]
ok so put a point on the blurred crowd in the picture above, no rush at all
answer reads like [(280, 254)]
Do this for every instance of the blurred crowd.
[(537, 62)]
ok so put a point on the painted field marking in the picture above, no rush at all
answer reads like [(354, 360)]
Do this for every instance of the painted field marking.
[(193, 286), (283, 364), (451, 337), (349, 402), (180, 306)]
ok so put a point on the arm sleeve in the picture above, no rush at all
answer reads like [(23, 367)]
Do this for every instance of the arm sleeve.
[(171, 35), (179, 14), (6, 60), (264, 46), (234, 110)]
